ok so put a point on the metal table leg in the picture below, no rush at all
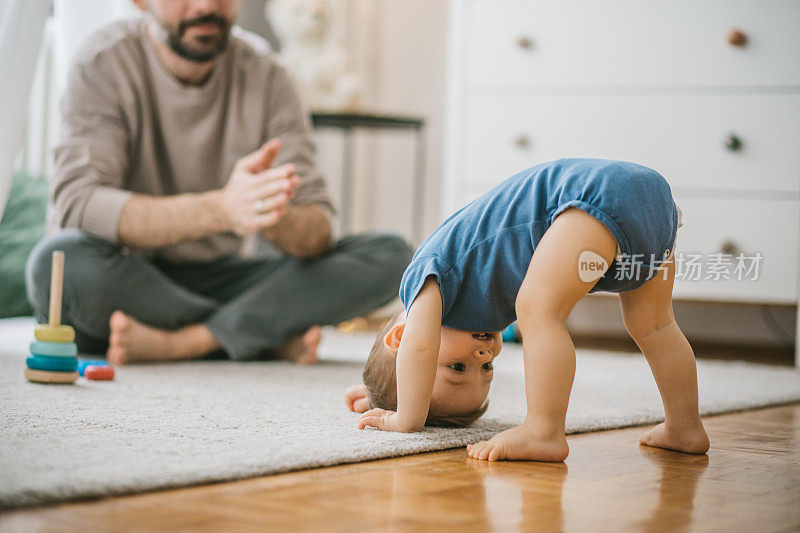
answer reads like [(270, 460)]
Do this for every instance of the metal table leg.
[(347, 181), (418, 202)]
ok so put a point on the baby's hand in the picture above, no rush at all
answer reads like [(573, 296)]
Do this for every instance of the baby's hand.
[(355, 398), (380, 419)]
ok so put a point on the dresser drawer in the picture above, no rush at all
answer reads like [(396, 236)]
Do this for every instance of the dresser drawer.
[(536, 43), (748, 226), (683, 137)]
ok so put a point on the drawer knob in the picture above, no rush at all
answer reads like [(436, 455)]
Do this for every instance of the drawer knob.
[(729, 248), (522, 141), (737, 37), (733, 143), (524, 42)]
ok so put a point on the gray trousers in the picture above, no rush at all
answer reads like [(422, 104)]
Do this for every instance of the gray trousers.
[(250, 305)]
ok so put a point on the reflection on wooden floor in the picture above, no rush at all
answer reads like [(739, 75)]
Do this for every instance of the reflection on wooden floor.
[(749, 481)]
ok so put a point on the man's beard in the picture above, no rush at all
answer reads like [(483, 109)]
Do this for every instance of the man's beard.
[(211, 45)]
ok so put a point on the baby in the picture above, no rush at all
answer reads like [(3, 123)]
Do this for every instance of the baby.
[(529, 249)]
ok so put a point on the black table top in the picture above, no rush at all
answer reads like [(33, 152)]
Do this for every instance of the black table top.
[(366, 120)]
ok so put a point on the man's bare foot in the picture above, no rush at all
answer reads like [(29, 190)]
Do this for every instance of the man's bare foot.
[(131, 341), (690, 440), (303, 348), (522, 443)]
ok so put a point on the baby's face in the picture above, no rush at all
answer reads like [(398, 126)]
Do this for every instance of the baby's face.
[(464, 370)]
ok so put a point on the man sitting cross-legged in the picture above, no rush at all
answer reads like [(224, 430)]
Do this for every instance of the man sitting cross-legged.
[(181, 137)]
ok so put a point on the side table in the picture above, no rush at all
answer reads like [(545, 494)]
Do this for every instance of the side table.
[(347, 123)]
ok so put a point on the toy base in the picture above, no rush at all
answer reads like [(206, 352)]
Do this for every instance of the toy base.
[(41, 376)]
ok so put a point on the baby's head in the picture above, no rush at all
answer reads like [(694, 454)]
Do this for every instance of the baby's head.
[(463, 373)]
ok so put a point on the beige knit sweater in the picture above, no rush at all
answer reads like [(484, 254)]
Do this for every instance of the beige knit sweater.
[(129, 126)]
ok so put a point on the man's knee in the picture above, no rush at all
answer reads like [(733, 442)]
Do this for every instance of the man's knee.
[(396, 254), (79, 248), (390, 252), (386, 247), (380, 260)]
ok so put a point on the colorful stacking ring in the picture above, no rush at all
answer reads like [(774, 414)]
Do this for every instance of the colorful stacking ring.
[(52, 364), (99, 373), (40, 376), (54, 349), (46, 333), (83, 363)]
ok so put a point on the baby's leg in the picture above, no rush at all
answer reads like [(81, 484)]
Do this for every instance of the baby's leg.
[(551, 288), (647, 312)]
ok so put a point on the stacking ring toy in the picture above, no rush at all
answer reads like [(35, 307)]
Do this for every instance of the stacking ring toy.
[(99, 373), (54, 349), (83, 363), (46, 333), (52, 364), (40, 376)]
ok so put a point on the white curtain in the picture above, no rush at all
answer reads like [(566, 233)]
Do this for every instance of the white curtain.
[(76, 21), (21, 28)]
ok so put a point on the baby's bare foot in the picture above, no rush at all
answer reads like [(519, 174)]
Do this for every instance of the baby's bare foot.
[(692, 439), (522, 443), (303, 348), (131, 341)]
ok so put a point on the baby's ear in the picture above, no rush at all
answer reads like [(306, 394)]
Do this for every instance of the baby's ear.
[(393, 337)]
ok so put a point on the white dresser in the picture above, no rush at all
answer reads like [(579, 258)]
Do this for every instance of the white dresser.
[(707, 92)]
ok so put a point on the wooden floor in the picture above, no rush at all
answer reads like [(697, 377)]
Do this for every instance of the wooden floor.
[(749, 481)]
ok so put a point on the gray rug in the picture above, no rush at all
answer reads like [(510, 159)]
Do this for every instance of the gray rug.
[(172, 425)]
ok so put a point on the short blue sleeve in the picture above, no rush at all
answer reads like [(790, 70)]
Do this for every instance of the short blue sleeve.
[(417, 272)]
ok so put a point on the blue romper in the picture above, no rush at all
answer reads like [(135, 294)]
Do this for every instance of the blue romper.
[(480, 255)]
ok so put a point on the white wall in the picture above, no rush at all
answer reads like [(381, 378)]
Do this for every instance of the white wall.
[(412, 78), (399, 49)]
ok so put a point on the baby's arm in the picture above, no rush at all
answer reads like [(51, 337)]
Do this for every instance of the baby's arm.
[(355, 398), (416, 365)]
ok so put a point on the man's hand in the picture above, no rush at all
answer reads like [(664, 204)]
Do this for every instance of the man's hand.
[(355, 398), (256, 196), (383, 420)]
